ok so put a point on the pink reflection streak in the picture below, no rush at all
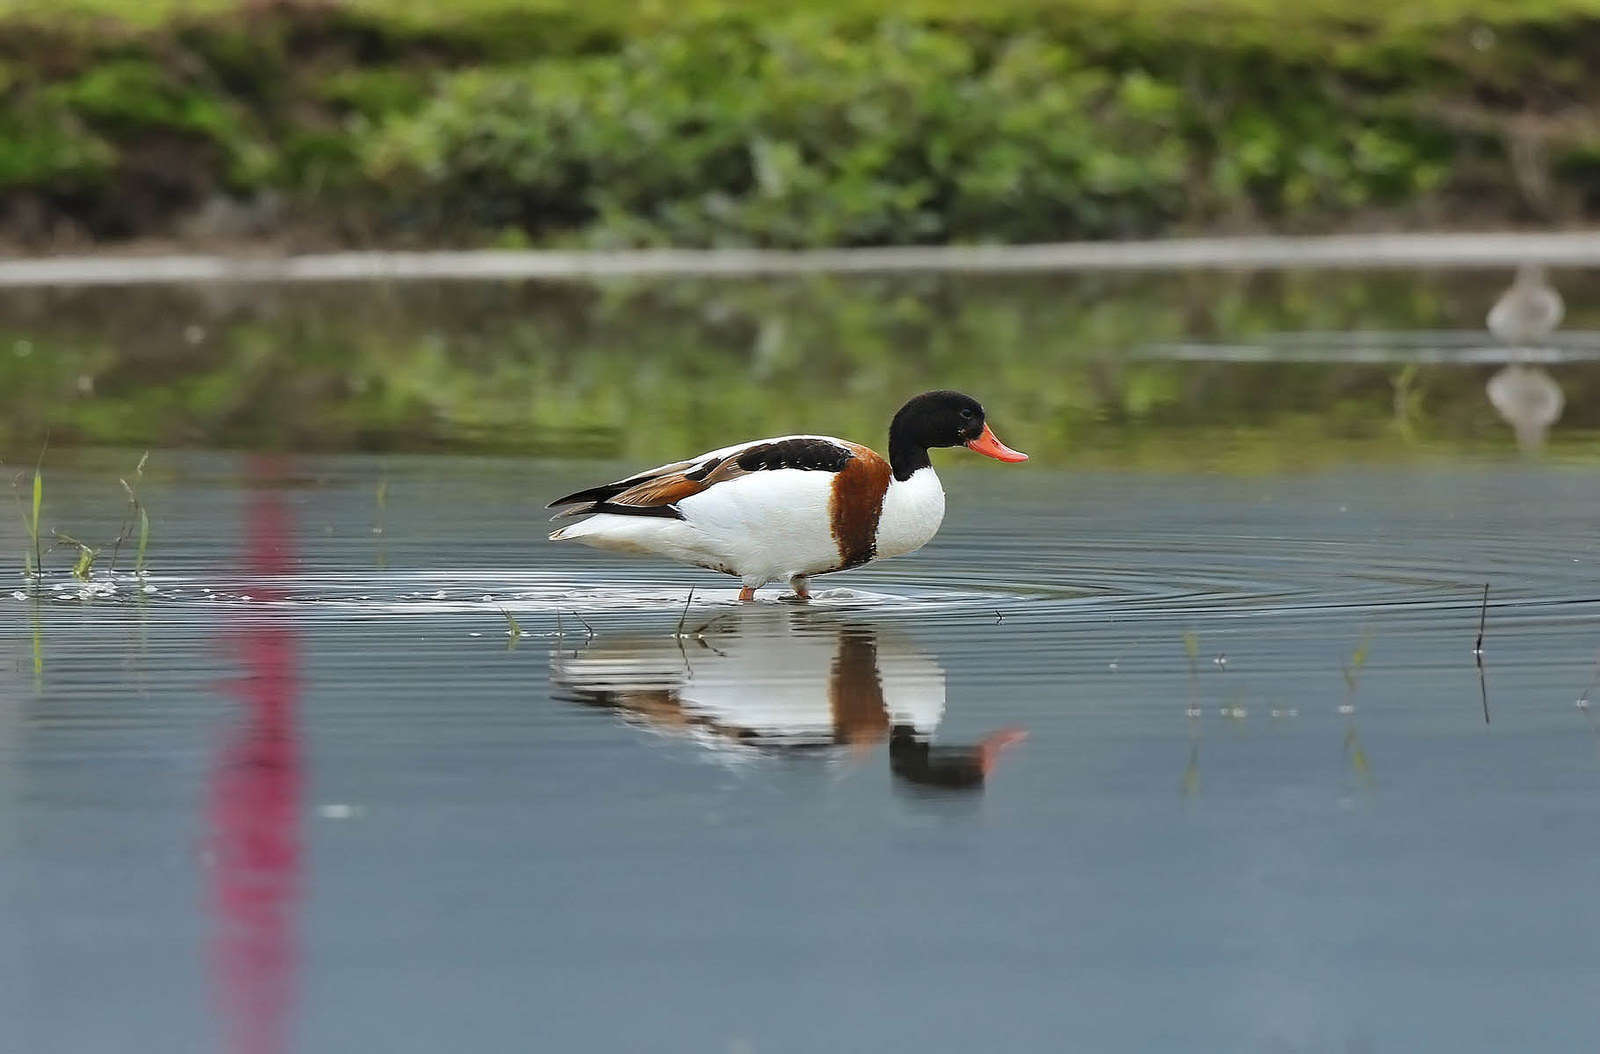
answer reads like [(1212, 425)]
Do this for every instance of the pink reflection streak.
[(254, 798)]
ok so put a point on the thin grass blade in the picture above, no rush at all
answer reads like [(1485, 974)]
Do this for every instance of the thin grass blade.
[(144, 540)]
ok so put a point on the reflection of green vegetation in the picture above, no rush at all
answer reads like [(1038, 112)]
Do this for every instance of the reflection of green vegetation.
[(766, 122), (38, 644), (657, 369), (1356, 754), (1191, 770), (513, 630)]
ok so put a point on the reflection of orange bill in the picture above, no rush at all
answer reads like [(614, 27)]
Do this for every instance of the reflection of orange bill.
[(997, 743)]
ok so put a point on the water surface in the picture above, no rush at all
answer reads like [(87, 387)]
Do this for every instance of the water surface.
[(299, 789)]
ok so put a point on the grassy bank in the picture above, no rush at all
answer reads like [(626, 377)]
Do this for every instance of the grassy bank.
[(489, 122)]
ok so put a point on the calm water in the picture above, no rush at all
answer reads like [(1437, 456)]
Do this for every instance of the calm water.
[(304, 794), (1135, 755)]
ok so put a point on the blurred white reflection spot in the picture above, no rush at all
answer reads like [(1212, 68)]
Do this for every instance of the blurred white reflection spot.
[(1347, 709), (339, 811)]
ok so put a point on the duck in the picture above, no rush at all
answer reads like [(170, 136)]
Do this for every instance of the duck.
[(1529, 310), (791, 507)]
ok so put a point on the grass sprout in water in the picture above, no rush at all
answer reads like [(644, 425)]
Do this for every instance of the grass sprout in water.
[(33, 523), (33, 556), (83, 567), (137, 518), (135, 528), (513, 629)]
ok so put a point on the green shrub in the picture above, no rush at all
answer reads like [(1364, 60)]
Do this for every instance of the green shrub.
[(748, 122), (43, 146), (805, 135), (798, 136)]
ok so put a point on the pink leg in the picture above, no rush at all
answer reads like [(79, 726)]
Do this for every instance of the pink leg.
[(747, 594)]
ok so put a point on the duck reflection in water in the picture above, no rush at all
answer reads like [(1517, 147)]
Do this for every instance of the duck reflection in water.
[(786, 680), (1529, 400), (1525, 395)]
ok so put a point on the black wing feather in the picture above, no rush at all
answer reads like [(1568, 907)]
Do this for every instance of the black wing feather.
[(806, 454), (669, 512)]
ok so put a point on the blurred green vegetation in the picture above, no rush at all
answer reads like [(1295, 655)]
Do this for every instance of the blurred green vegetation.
[(651, 371), (778, 124)]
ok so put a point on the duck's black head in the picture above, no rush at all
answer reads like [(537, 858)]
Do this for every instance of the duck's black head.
[(943, 418)]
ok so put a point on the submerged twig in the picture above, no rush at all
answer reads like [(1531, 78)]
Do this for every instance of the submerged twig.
[(685, 614), (1483, 618), (1477, 654), (700, 633), (587, 629)]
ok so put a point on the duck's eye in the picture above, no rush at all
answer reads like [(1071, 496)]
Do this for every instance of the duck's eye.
[(966, 412)]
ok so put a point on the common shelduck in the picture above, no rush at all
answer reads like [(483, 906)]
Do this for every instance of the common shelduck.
[(790, 507)]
